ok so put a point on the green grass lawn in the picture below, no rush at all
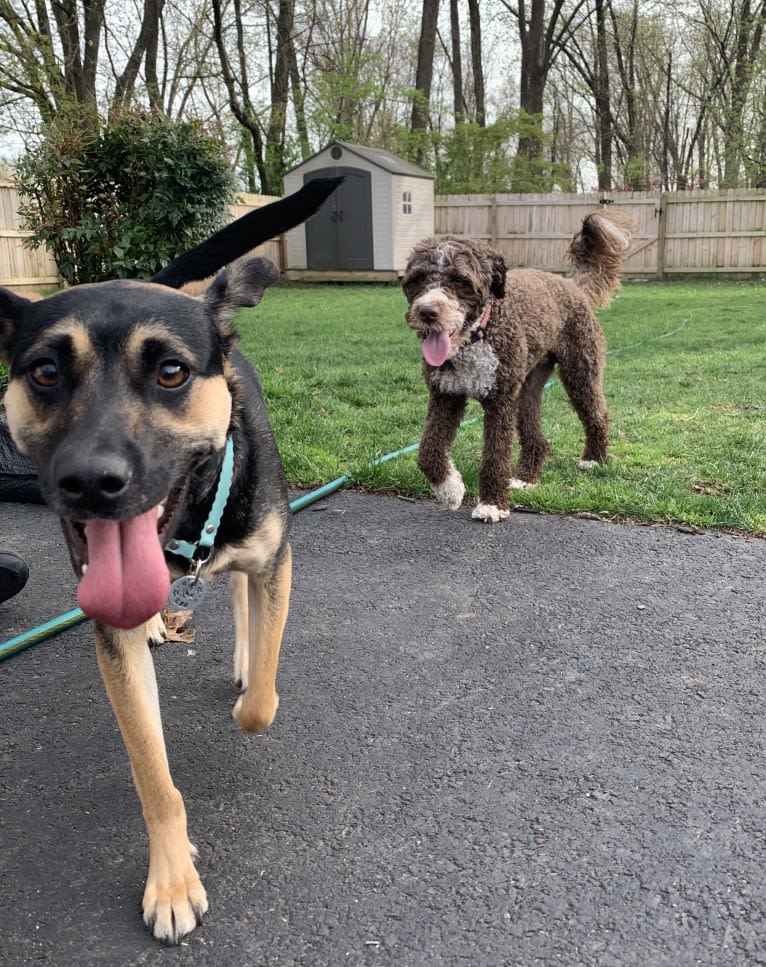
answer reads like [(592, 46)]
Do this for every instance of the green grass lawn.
[(685, 382)]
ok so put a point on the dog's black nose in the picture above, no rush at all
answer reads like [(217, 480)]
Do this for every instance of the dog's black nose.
[(100, 478), (428, 314)]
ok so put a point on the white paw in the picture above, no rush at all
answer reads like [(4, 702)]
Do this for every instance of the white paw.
[(451, 491), (517, 484), (155, 631), (489, 513), (174, 898), (587, 464)]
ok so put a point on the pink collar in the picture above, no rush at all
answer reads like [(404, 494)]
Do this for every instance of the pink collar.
[(479, 331)]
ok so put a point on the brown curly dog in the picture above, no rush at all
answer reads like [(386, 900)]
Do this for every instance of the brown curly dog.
[(495, 336)]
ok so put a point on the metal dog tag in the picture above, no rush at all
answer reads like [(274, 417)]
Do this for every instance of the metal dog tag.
[(186, 593)]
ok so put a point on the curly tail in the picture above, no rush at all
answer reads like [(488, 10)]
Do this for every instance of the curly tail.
[(597, 252)]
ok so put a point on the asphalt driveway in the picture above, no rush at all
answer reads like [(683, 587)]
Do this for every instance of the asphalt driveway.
[(538, 742)]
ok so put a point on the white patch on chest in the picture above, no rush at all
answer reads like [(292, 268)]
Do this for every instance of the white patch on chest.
[(470, 372)]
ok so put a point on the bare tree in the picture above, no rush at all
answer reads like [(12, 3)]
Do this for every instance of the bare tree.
[(458, 98), (356, 70), (190, 82), (50, 55), (587, 50), (759, 153), (476, 62), (280, 93), (734, 40), (424, 74), (542, 29), (652, 93), (145, 50), (54, 52), (237, 83)]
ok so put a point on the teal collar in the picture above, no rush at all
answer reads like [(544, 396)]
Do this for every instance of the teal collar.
[(188, 549)]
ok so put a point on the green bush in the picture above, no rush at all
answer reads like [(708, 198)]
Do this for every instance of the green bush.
[(471, 159), (123, 200)]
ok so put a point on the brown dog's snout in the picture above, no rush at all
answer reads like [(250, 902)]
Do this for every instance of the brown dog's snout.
[(428, 314)]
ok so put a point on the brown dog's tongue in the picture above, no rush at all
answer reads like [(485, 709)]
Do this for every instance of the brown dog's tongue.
[(127, 580), (436, 347)]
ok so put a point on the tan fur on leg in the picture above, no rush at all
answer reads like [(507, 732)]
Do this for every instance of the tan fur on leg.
[(238, 594), (174, 898), (267, 605)]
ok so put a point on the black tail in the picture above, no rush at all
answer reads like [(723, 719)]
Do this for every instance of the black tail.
[(246, 233)]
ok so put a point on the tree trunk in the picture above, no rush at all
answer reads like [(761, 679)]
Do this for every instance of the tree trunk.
[(299, 103), (280, 93), (457, 63), (476, 65), (625, 51), (80, 57), (534, 73), (759, 172), (423, 77), (603, 103), (749, 35), (239, 96), (145, 47)]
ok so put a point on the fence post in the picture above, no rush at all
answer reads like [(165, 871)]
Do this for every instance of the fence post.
[(493, 222), (662, 214)]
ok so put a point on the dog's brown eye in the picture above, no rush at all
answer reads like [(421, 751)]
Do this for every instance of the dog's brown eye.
[(172, 374), (45, 373)]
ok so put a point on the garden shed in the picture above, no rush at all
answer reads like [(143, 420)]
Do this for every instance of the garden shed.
[(368, 227)]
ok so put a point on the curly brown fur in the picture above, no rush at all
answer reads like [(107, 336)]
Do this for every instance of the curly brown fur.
[(597, 252), (495, 336)]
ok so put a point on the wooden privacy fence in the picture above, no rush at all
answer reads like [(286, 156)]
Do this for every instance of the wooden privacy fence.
[(708, 232), (28, 271), (21, 268), (712, 232)]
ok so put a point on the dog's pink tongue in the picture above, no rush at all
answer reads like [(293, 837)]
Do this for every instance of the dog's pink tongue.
[(127, 580), (436, 347)]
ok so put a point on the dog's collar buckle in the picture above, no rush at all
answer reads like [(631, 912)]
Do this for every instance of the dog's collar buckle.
[(189, 549), (479, 331)]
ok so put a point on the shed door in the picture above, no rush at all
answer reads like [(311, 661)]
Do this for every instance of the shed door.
[(339, 236)]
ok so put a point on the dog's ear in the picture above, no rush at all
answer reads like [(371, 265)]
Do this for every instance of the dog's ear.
[(11, 311), (499, 271), (241, 284)]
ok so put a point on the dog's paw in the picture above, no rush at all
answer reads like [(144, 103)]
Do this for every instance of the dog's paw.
[(517, 484), (489, 513), (253, 714), (450, 492), (174, 899), (155, 631), (587, 464)]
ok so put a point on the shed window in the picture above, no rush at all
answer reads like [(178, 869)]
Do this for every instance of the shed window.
[(407, 203)]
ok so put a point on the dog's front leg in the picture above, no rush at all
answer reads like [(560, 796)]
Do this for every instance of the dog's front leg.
[(494, 472), (442, 423), (268, 601), (174, 898)]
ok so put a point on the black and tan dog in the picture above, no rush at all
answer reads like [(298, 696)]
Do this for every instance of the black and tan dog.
[(153, 446)]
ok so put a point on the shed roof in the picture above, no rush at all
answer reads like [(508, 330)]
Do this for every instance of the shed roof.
[(377, 156)]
